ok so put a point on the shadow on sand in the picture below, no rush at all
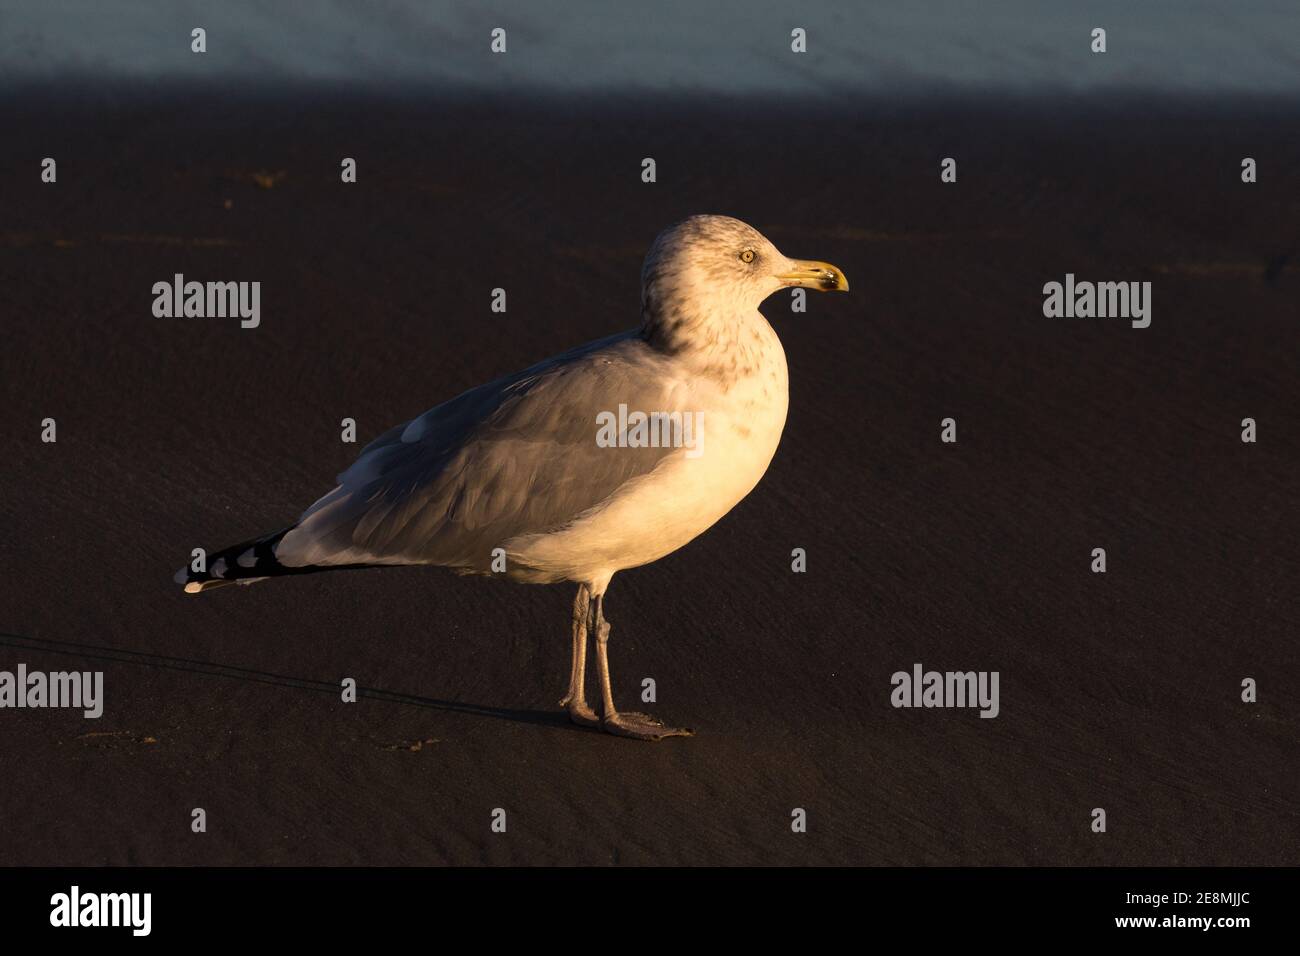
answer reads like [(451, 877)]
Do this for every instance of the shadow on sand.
[(247, 674)]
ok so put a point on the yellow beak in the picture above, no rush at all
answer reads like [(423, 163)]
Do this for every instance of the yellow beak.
[(810, 274)]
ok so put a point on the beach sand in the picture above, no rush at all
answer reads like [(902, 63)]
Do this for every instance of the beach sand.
[(1118, 691)]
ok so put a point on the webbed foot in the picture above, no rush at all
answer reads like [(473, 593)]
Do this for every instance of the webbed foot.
[(641, 727)]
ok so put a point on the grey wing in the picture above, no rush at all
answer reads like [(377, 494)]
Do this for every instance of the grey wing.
[(515, 456)]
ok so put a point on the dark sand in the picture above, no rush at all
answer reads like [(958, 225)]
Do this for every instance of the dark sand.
[(1118, 691)]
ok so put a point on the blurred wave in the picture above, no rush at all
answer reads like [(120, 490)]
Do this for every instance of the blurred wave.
[(729, 46)]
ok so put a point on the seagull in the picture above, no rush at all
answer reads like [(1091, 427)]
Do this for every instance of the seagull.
[(606, 457)]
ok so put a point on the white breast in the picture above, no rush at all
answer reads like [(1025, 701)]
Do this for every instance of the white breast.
[(660, 512)]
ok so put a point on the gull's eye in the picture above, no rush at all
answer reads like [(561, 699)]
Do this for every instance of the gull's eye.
[(747, 255)]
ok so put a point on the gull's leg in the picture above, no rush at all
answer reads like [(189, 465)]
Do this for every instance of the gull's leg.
[(640, 726), (576, 699)]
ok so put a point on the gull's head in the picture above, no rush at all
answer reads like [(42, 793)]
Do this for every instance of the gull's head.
[(717, 263)]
